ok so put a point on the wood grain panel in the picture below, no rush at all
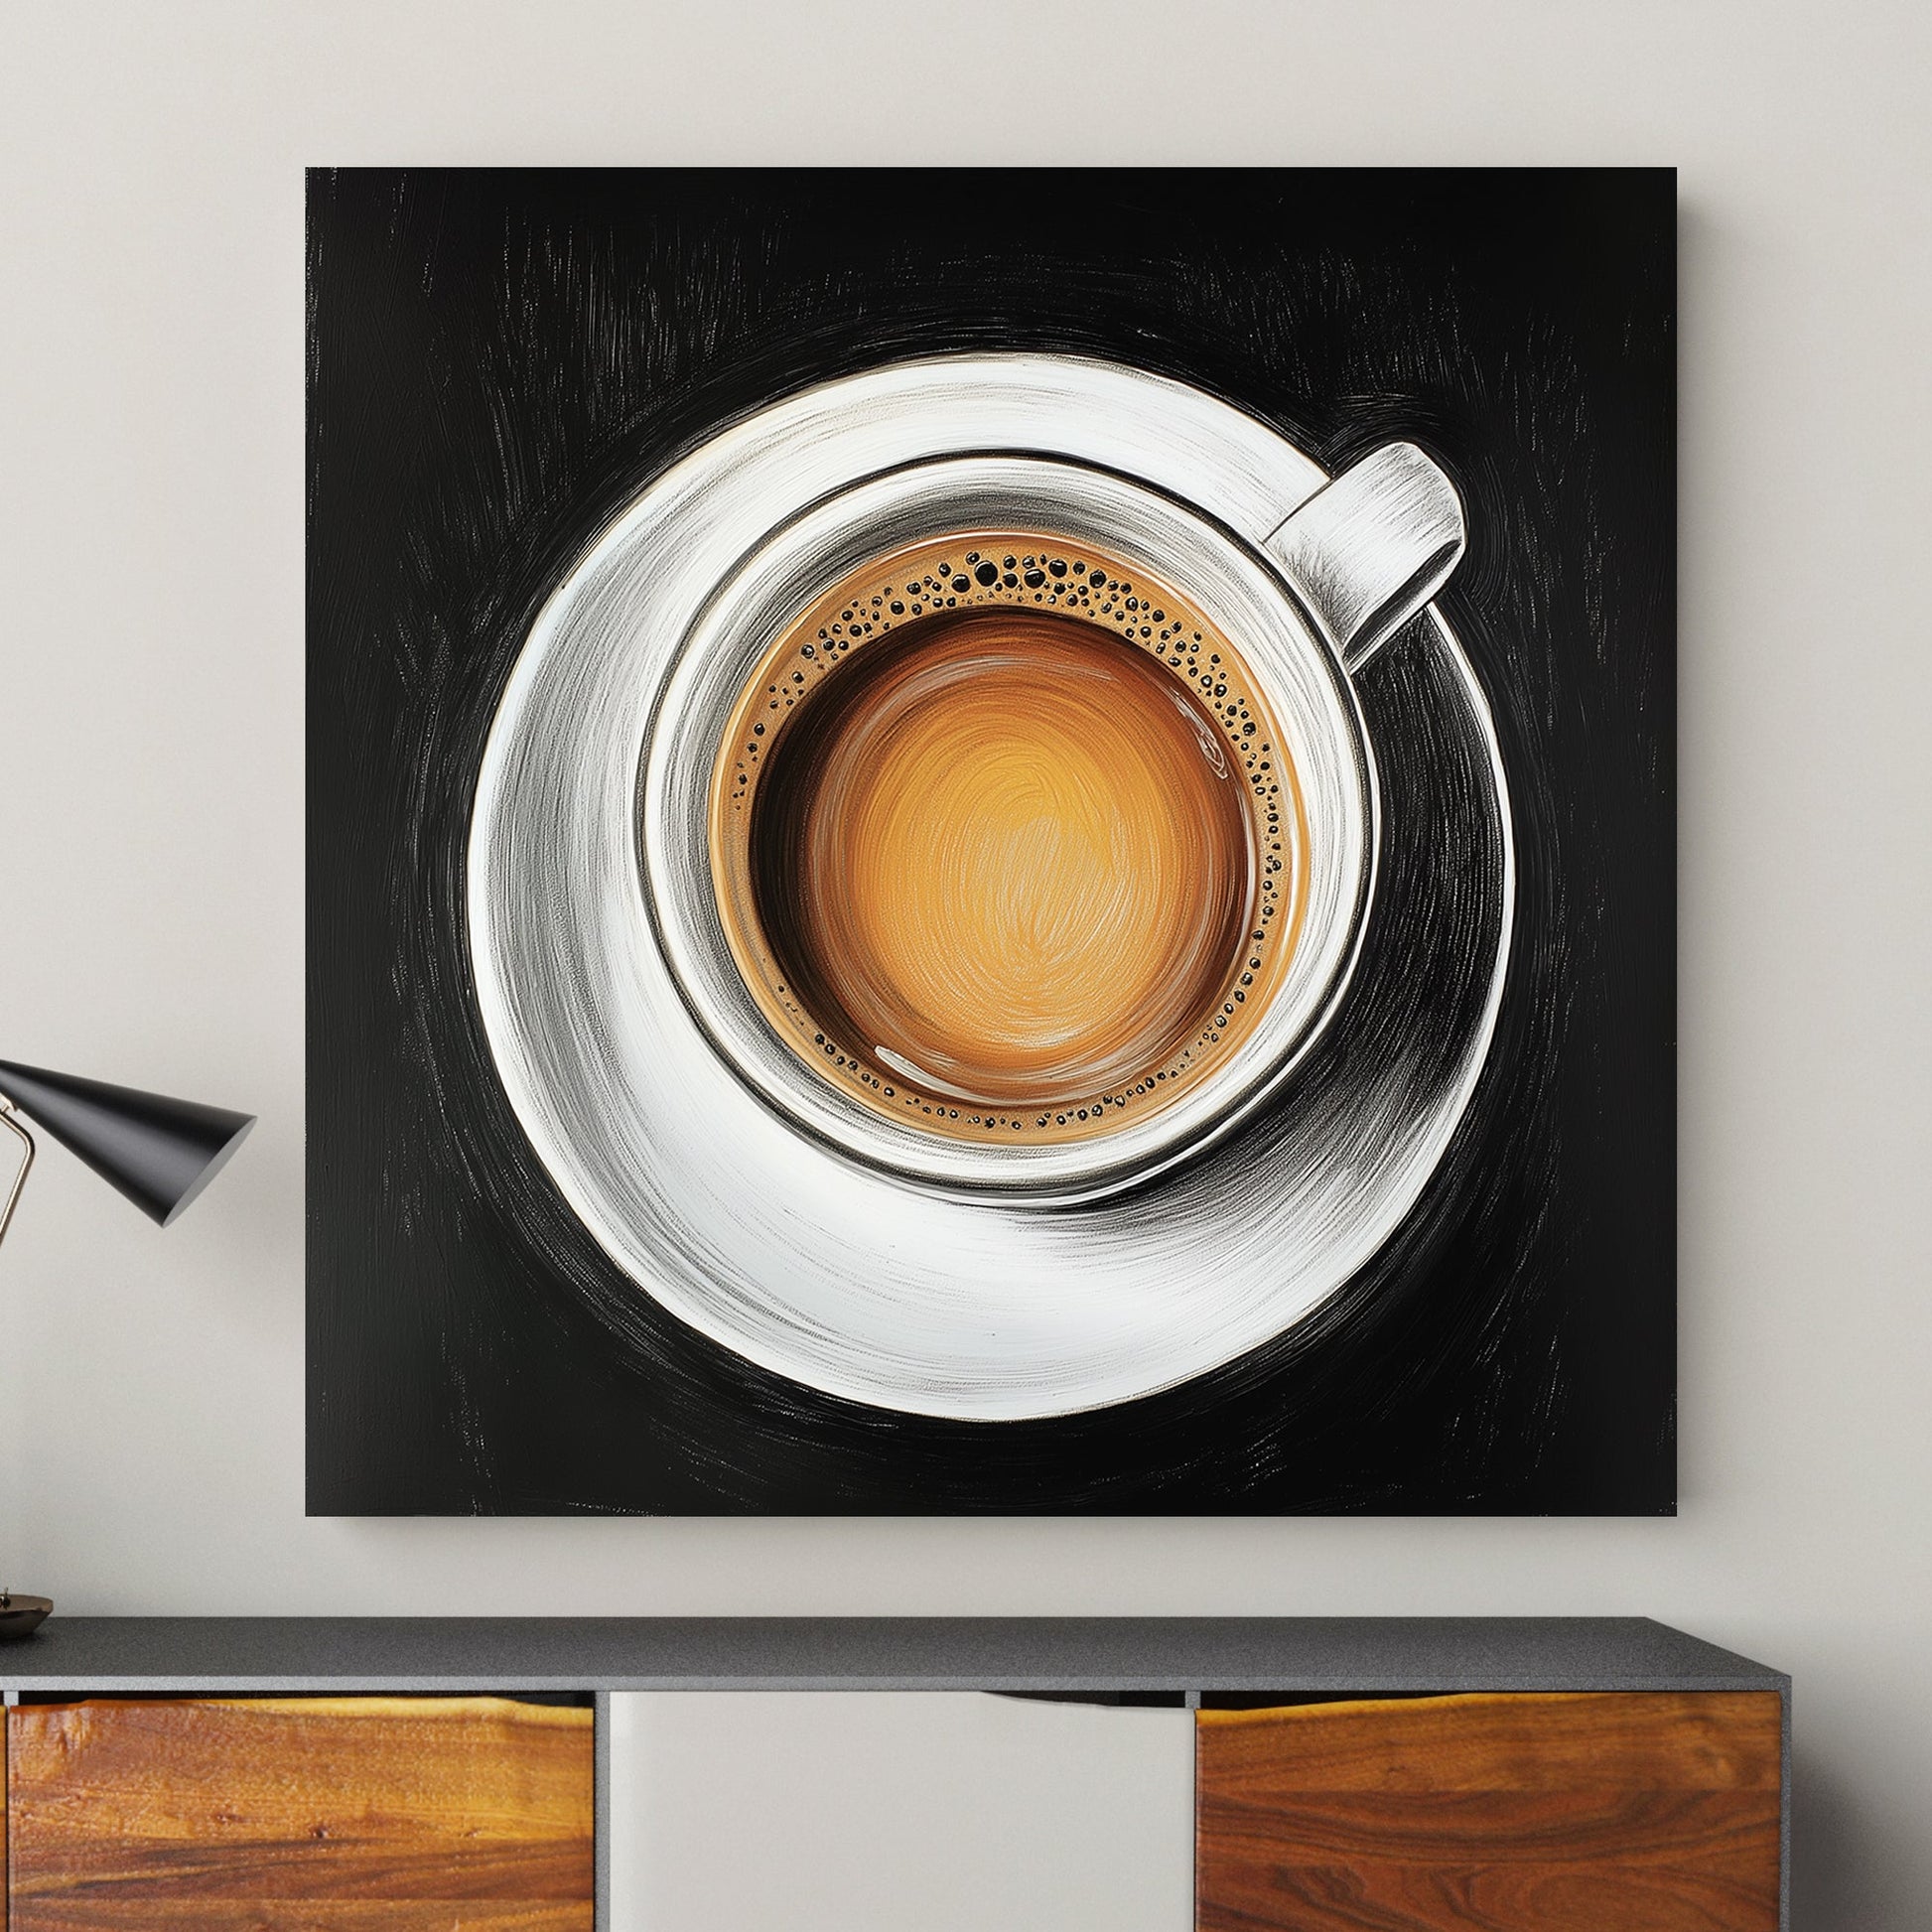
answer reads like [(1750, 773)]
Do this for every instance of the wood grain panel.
[(1601, 1813), (327, 1815)]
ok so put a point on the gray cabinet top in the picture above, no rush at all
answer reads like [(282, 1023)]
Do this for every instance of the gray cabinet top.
[(1081, 1655)]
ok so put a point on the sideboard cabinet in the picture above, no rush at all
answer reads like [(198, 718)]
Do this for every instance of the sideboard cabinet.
[(309, 1775)]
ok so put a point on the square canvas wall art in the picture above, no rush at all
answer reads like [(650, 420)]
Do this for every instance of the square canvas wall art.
[(991, 842)]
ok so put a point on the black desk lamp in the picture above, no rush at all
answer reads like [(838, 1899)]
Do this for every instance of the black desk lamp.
[(159, 1153)]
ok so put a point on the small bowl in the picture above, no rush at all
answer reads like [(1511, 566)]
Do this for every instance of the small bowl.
[(21, 1616)]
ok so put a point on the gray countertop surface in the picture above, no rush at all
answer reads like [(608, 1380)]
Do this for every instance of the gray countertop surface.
[(1094, 1655)]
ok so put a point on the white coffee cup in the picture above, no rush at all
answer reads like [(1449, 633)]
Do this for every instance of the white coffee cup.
[(1338, 576)]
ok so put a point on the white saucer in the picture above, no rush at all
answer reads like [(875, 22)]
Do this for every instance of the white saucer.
[(785, 1252)]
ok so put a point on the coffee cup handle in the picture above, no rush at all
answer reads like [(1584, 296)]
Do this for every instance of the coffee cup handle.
[(1372, 547)]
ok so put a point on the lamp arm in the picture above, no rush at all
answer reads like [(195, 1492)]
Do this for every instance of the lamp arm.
[(11, 1122)]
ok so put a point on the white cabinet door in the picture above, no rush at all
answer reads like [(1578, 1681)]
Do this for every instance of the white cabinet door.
[(897, 1812)]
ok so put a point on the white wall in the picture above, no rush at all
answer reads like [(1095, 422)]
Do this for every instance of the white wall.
[(151, 758)]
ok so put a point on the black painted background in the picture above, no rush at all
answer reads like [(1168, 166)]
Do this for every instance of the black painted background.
[(496, 363)]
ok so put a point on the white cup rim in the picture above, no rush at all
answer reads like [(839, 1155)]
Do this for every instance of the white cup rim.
[(1230, 579)]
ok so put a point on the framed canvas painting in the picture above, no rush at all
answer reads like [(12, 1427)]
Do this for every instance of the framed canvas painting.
[(991, 842)]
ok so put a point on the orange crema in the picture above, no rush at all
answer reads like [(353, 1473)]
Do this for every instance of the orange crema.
[(1010, 861)]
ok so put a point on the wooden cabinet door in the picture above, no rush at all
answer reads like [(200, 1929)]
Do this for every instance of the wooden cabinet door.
[(1590, 1813), (327, 1815)]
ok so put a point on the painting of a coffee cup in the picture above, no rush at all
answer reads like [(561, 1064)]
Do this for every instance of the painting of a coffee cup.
[(1027, 873)]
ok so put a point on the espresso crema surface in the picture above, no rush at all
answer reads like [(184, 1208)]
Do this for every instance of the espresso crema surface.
[(1005, 841)]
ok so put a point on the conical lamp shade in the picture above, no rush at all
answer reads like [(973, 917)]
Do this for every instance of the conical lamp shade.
[(159, 1153)]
